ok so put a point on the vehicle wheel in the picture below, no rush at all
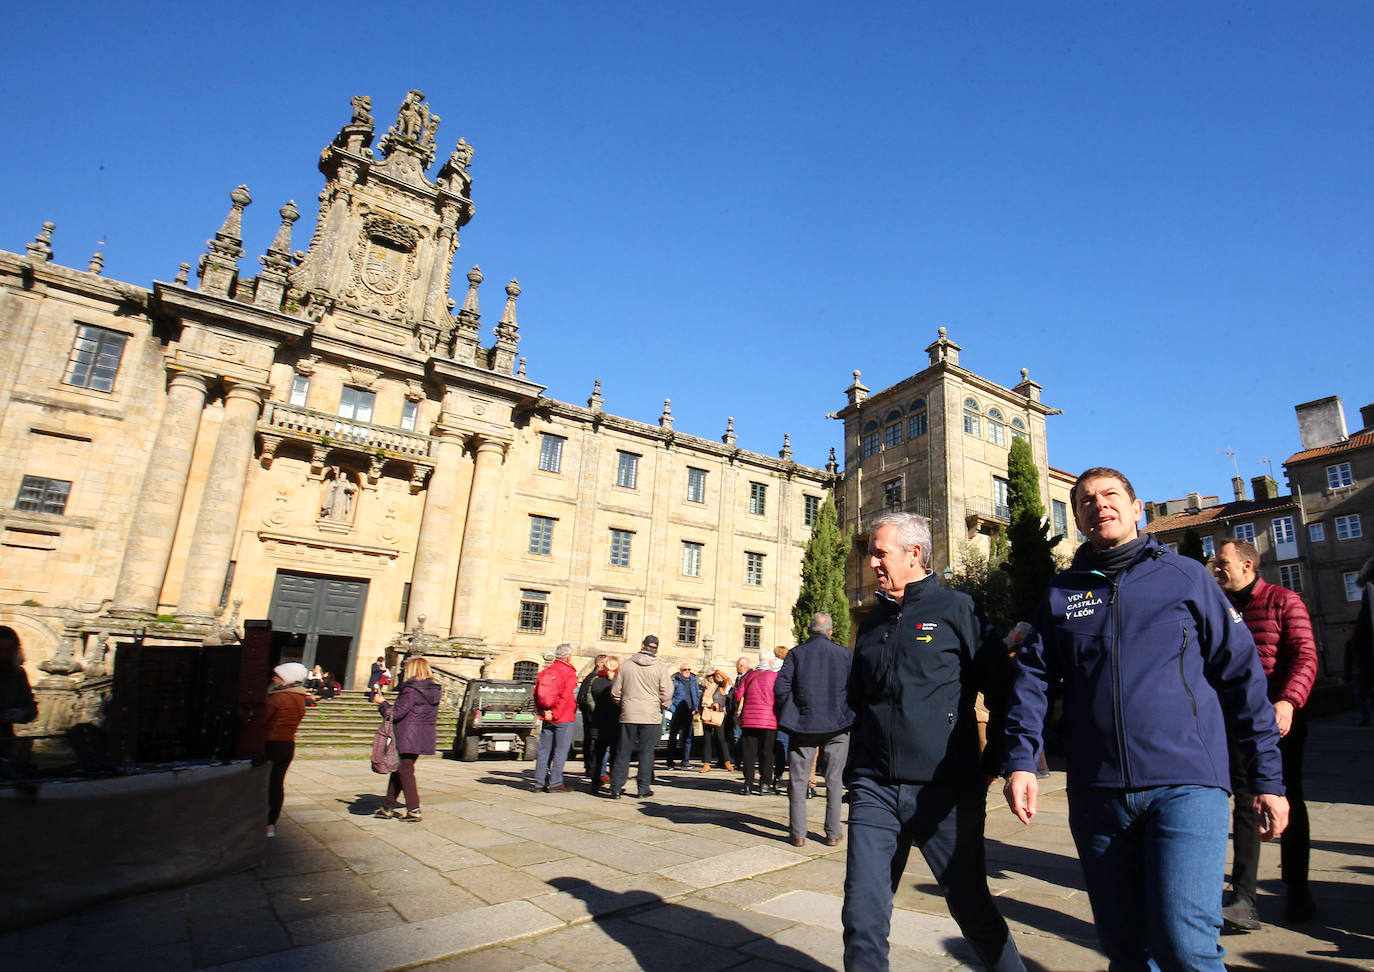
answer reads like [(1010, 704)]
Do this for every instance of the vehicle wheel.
[(530, 749), (472, 748)]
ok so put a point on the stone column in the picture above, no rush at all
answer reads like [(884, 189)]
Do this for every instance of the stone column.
[(155, 519), (474, 569), (212, 543), (435, 543)]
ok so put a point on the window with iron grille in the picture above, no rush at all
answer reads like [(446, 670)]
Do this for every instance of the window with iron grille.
[(541, 535), (696, 485), (691, 558), (620, 547), (525, 671), (551, 452), (687, 621), (811, 509), (753, 569), (1290, 576), (758, 498), (613, 614), (533, 605), (753, 632), (627, 470), (95, 357), (40, 495)]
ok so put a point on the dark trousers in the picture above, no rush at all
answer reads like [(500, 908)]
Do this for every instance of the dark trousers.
[(713, 737), (756, 749), (636, 739), (280, 754), (1296, 839), (403, 781), (607, 739), (945, 822), (680, 734), (589, 741)]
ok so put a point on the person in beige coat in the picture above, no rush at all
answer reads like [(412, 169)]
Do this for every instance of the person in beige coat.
[(643, 688)]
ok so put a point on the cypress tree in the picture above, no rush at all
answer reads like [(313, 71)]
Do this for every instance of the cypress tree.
[(1030, 562), (822, 583)]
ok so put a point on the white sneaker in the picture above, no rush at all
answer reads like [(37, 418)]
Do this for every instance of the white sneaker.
[(271, 830)]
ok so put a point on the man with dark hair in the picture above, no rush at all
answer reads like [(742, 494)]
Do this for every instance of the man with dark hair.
[(1157, 670), (914, 775), (1278, 622), (643, 688)]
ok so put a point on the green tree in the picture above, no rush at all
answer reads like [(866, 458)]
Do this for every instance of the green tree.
[(822, 581), (1030, 561), (981, 578), (1191, 546)]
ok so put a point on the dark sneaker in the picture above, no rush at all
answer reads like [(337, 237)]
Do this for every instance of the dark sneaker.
[(645, 795), (1300, 906), (1240, 913)]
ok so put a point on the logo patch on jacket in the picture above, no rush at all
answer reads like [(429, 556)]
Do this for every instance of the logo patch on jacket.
[(1235, 615), (924, 628), (1082, 604)]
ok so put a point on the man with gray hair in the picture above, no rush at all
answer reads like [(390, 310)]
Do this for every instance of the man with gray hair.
[(555, 700), (809, 697), (914, 775)]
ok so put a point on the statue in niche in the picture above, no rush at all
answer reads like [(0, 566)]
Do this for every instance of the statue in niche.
[(362, 110), (339, 495)]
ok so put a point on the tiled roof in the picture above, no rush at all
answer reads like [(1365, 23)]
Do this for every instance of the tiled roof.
[(1359, 441), (1219, 514)]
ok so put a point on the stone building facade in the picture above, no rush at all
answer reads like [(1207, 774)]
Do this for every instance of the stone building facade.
[(329, 444), (936, 444)]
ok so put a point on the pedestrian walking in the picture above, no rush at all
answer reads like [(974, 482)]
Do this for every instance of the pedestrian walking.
[(413, 717), (286, 698), (555, 701)]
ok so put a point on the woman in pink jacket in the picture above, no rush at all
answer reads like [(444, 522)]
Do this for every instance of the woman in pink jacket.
[(760, 726)]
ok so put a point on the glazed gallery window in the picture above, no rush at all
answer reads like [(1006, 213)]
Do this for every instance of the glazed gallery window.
[(1339, 475), (300, 390), (972, 421), (1290, 576), (916, 424), (696, 485), (1244, 531), (627, 470), (892, 434), (892, 494), (551, 452), (687, 620), (753, 569), (811, 508), (613, 614), (1018, 429), (758, 499), (410, 415), (354, 404), (997, 431), (95, 357), (40, 495), (620, 547), (1348, 527), (691, 558), (533, 608), (541, 535), (753, 632)]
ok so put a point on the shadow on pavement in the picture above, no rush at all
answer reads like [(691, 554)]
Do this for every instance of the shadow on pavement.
[(745, 823)]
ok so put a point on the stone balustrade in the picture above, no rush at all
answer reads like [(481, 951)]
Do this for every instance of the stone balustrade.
[(307, 425)]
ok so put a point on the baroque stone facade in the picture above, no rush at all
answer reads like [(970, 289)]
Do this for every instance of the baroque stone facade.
[(329, 444)]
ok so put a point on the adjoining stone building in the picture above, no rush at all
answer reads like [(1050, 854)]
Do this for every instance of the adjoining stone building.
[(936, 444), (330, 445)]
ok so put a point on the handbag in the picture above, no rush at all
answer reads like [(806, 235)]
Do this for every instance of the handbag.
[(385, 759), (712, 717)]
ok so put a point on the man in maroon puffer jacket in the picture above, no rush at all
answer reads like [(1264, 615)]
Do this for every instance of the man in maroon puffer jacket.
[(1278, 621)]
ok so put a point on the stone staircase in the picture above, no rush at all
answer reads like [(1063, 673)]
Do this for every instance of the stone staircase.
[(344, 725)]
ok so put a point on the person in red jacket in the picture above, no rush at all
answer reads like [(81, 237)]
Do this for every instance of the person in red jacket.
[(555, 699), (1278, 621), (286, 698)]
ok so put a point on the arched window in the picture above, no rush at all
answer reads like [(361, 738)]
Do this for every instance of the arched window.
[(868, 442), (972, 421), (892, 431), (997, 431), (525, 671), (1018, 429), (916, 419)]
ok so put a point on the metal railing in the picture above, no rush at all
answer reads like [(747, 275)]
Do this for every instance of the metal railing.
[(308, 425)]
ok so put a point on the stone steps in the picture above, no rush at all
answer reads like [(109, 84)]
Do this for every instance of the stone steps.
[(344, 725)]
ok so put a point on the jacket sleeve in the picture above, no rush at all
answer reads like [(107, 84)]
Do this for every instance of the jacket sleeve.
[(1028, 699), (1295, 668), (782, 687), (618, 684), (405, 701), (665, 687)]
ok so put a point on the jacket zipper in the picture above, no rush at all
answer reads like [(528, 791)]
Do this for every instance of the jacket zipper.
[(1116, 687), (1182, 673)]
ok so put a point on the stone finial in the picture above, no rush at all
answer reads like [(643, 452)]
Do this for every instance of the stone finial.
[(469, 307), (596, 401), (832, 466), (219, 266), (271, 283), (507, 333), (1026, 387), (943, 350), (520, 371), (729, 437), (97, 263), (1025, 373), (41, 247), (281, 243), (858, 391), (183, 276), (508, 315), (943, 332), (665, 420), (785, 452)]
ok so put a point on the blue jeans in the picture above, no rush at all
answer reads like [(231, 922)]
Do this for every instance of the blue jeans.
[(554, 741), (1154, 861), (946, 822)]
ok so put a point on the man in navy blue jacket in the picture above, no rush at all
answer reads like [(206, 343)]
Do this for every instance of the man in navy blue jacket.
[(914, 775), (809, 698), (1157, 670)]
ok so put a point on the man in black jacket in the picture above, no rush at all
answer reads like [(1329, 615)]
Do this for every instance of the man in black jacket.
[(914, 775)]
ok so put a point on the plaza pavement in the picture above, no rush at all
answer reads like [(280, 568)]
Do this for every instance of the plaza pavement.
[(697, 877)]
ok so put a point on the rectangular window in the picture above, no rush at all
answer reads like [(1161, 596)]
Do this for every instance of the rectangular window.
[(1348, 527), (541, 535), (405, 602), (696, 485), (753, 569), (39, 495), (533, 608), (1290, 576), (687, 619), (620, 547), (916, 425), (1060, 511), (1351, 579), (753, 632), (300, 390), (355, 404), (972, 424), (1244, 531), (811, 508), (1209, 547), (691, 559), (410, 415), (1339, 475), (613, 614), (758, 499), (627, 470), (892, 494), (1316, 532), (997, 432), (892, 435), (95, 357), (868, 445), (1001, 499), (1283, 530), (551, 452)]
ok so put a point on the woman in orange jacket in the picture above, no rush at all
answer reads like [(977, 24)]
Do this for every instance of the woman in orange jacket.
[(285, 708)]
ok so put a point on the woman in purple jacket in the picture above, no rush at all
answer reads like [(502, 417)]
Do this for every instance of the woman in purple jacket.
[(413, 716), (760, 726)]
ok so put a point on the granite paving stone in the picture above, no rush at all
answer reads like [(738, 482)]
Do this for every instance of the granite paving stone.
[(329, 927)]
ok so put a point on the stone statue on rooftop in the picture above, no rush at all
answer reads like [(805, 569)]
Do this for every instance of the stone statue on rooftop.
[(362, 110)]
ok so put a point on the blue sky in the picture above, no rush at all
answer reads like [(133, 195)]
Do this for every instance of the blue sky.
[(1162, 210)]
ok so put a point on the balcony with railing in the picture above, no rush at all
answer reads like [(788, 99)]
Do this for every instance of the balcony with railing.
[(322, 432), (984, 513)]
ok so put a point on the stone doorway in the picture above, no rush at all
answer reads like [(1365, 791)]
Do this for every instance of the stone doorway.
[(316, 620)]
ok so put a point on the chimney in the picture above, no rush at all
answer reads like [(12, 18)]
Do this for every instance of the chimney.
[(1238, 487), (1265, 487), (1194, 502), (1151, 511), (1321, 423), (1367, 417)]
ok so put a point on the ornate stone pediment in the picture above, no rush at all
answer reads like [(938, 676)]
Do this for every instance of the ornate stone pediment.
[(392, 232)]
